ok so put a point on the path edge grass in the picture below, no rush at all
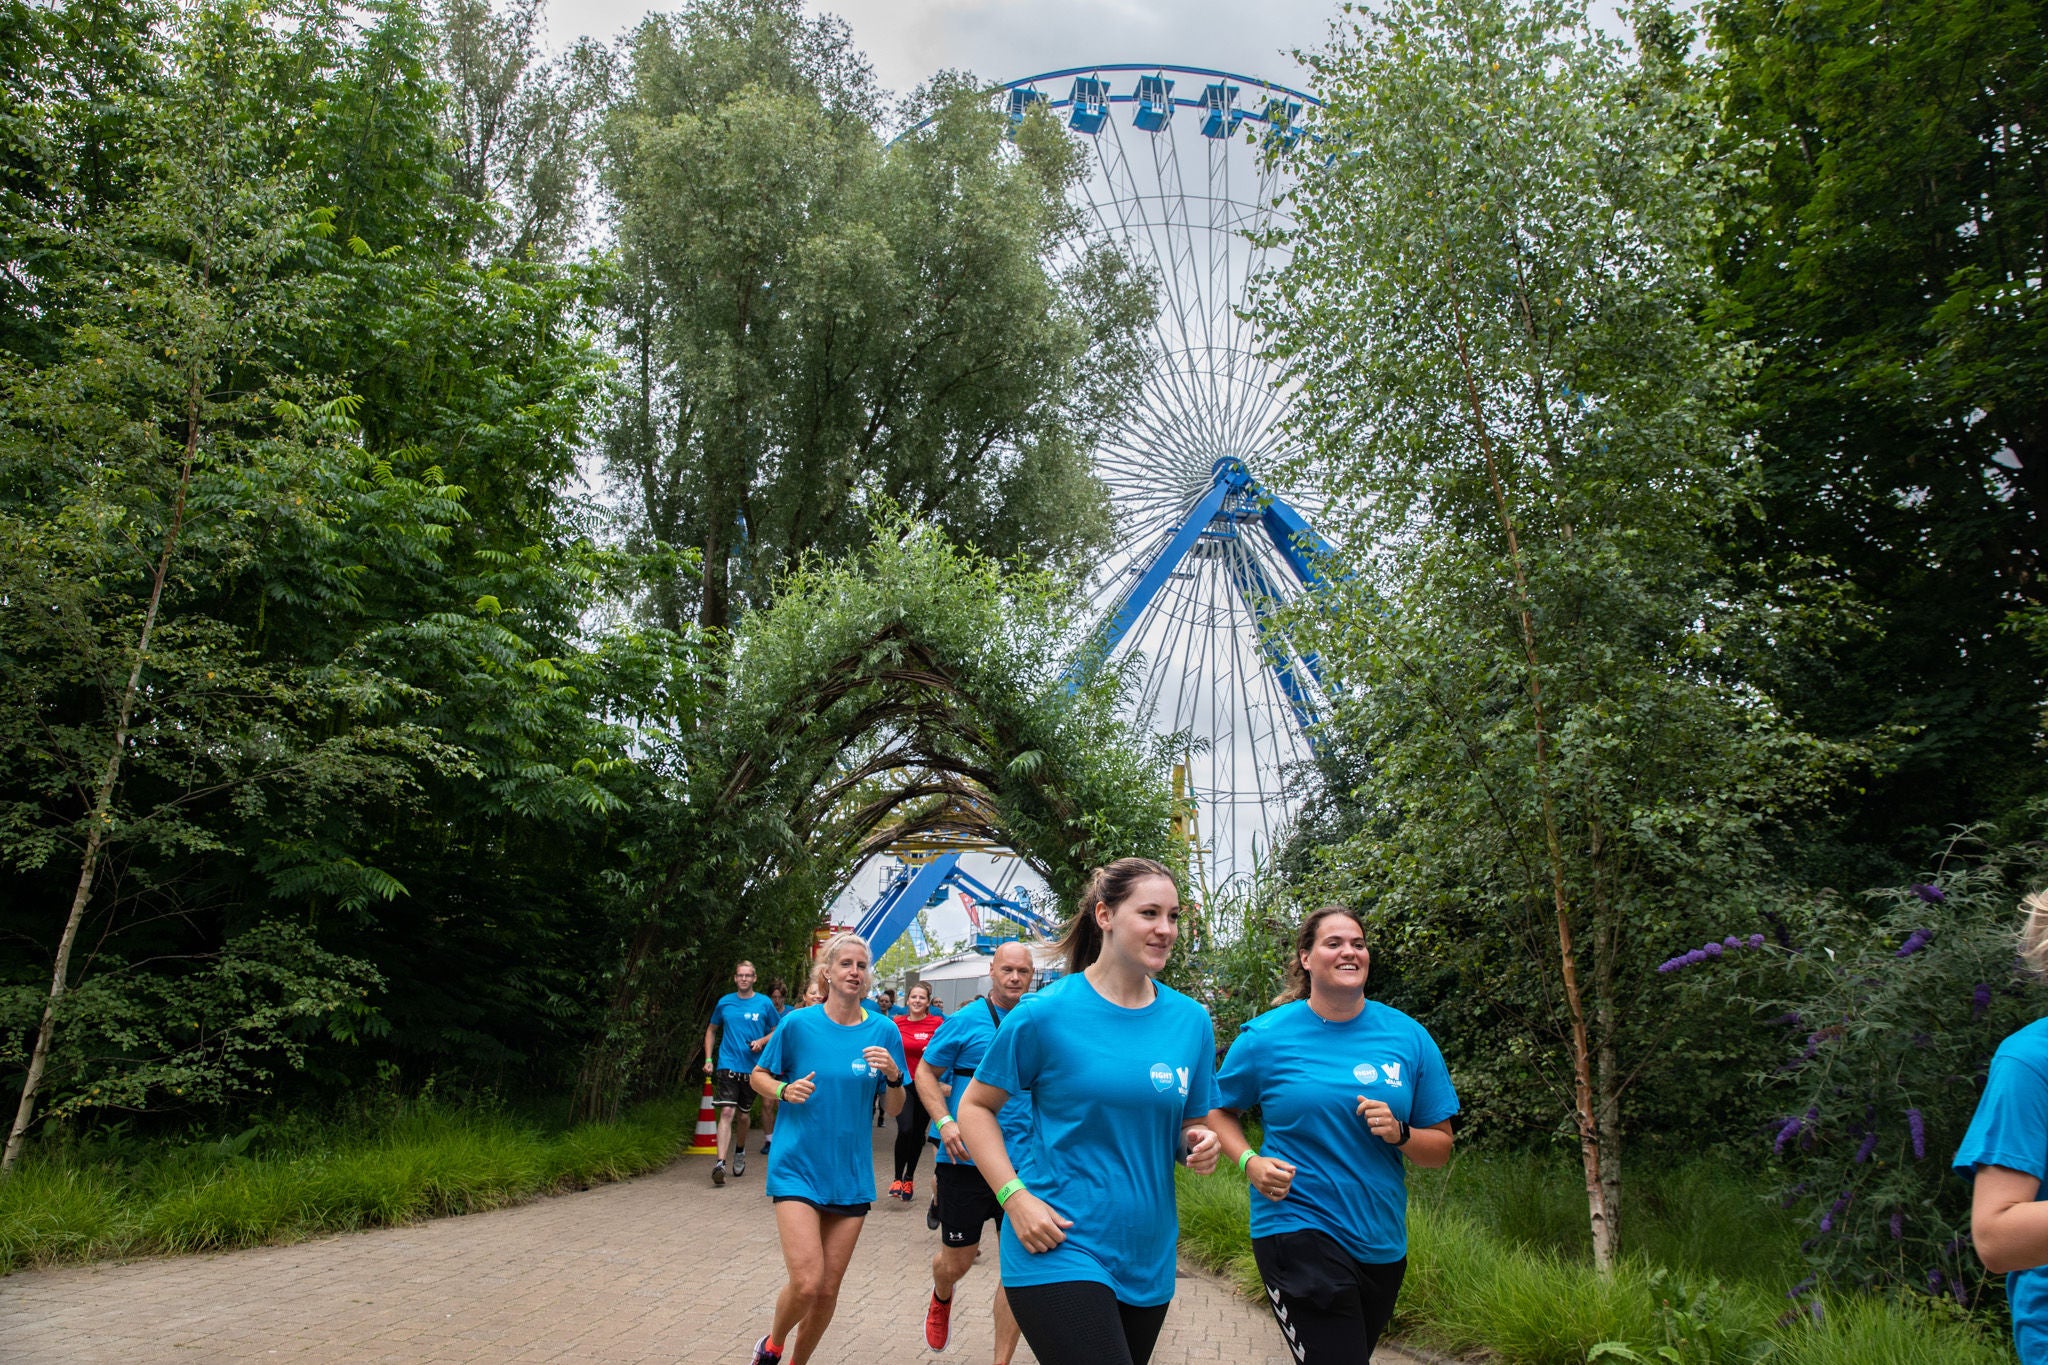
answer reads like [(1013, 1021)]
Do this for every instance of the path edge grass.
[(1472, 1293), (430, 1164)]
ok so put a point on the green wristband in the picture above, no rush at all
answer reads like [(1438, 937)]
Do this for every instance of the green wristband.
[(1003, 1194), (1244, 1162), (780, 1086)]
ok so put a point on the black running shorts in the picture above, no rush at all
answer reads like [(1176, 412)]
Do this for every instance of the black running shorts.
[(735, 1088), (965, 1203), (1331, 1308)]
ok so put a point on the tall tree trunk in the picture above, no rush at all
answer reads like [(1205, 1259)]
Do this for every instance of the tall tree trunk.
[(1568, 961), (103, 799), (1607, 1078)]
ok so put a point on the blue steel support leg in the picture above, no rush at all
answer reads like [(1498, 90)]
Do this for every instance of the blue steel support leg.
[(1107, 636), (1257, 592), (890, 915)]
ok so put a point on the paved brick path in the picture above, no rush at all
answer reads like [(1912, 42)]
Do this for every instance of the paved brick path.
[(661, 1269)]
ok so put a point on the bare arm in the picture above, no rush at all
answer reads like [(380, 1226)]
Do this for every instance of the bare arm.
[(797, 1091), (1270, 1176), (710, 1044), (1034, 1221), (936, 1096), (2008, 1220)]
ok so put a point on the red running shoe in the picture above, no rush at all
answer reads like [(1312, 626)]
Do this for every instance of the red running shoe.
[(938, 1323), (895, 1189), (909, 1191)]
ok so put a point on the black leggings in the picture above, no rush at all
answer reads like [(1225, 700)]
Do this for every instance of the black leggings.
[(911, 1121), (1079, 1322), (1331, 1308)]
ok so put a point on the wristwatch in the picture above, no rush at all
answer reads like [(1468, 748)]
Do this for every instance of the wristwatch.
[(1406, 1133)]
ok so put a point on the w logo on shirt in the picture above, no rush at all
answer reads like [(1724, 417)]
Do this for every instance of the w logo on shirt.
[(1393, 1070)]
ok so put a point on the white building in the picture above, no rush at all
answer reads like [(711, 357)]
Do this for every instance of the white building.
[(957, 980)]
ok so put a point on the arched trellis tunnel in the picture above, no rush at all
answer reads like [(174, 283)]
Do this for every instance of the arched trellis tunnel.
[(916, 690)]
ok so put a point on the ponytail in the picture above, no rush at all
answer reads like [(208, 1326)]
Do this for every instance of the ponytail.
[(1111, 886), (2034, 934)]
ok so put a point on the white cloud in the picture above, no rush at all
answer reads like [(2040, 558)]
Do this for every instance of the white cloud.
[(908, 40)]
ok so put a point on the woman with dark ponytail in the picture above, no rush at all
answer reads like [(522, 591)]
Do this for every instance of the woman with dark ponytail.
[(1350, 1091), (1121, 1072)]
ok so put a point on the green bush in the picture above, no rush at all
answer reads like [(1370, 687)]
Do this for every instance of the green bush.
[(419, 1160)]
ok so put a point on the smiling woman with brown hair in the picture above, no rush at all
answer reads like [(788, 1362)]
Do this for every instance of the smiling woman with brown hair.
[(1347, 1088)]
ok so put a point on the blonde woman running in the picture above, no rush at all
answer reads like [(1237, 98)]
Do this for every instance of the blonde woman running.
[(824, 1065)]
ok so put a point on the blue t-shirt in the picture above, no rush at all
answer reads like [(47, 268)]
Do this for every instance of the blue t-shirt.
[(822, 1150), (1109, 1089), (2010, 1129), (955, 1051), (1307, 1073), (742, 1021)]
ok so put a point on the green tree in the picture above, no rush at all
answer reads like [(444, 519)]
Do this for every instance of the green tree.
[(819, 323), (144, 466), (1886, 259), (1494, 313)]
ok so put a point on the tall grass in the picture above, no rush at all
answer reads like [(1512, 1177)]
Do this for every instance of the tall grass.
[(422, 1160), (1498, 1264)]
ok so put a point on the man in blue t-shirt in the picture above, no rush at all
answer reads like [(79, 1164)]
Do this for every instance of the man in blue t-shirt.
[(740, 1024), (964, 1202), (2005, 1152)]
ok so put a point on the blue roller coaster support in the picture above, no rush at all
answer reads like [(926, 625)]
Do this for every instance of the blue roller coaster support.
[(915, 889), (1090, 99), (1155, 103), (1234, 503)]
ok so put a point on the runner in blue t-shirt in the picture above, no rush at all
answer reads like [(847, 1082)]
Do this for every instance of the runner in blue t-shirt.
[(825, 1065), (1121, 1072), (740, 1024), (2005, 1152), (964, 1201), (1347, 1088)]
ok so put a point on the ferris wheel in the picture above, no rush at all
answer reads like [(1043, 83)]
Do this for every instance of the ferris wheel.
[(1208, 549)]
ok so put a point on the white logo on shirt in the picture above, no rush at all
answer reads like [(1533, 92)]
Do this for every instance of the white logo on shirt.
[(1181, 1073), (861, 1067), (1163, 1078), (1393, 1070), (1366, 1073)]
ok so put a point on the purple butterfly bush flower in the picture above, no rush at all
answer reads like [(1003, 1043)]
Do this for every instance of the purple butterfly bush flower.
[(1796, 1290), (1929, 892), (1827, 1221), (1869, 1146), (1707, 952), (1814, 1308), (1918, 1127), (1789, 1131), (1898, 1225), (1915, 941), (1980, 1000)]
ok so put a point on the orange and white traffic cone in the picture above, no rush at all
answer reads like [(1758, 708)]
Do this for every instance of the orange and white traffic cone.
[(705, 1143)]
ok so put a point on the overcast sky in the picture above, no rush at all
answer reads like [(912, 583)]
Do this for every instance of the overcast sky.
[(1004, 39)]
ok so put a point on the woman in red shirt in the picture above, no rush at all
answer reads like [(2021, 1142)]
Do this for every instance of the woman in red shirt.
[(917, 1025)]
